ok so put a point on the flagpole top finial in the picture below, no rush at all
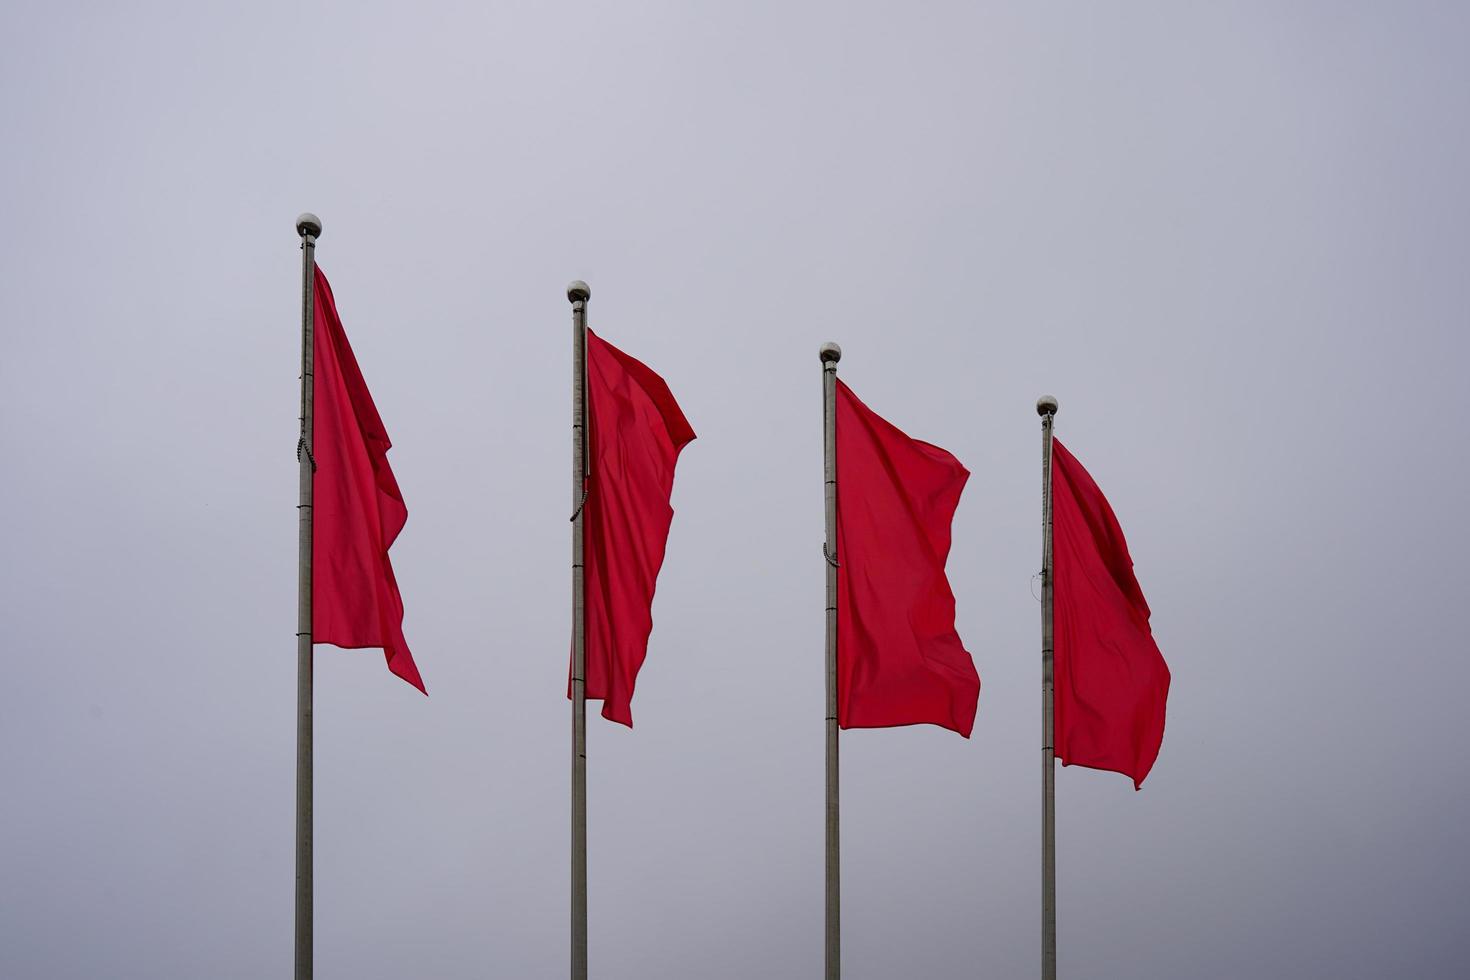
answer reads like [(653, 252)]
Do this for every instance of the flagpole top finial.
[(831, 353), (578, 291), (1046, 405), (308, 224)]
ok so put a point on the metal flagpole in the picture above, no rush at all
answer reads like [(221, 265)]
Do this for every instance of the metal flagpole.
[(830, 355), (309, 227), (1046, 407), (578, 294)]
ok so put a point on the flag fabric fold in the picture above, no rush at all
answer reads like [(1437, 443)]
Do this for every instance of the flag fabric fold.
[(899, 659), (357, 508), (636, 432), (1112, 684)]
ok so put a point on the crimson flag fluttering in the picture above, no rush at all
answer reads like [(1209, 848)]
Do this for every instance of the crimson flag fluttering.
[(899, 659), (636, 431), (357, 508), (1112, 684)]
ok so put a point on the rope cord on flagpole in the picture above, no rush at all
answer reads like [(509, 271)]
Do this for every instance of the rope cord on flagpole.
[(302, 447), (580, 504), (831, 558)]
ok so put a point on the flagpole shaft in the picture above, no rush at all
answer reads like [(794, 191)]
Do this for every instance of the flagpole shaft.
[(308, 226), (830, 355), (1046, 407), (579, 294)]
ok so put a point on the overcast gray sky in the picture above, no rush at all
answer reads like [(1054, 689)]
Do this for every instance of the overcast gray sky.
[(1230, 239)]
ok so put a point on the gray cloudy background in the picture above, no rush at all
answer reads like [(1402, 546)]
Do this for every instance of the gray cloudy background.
[(1230, 239)]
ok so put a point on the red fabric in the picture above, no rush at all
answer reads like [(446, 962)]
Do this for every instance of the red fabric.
[(357, 508), (1111, 680), (637, 431), (899, 659)]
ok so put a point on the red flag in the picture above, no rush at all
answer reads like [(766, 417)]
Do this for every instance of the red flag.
[(899, 659), (357, 509), (637, 431), (1111, 680)]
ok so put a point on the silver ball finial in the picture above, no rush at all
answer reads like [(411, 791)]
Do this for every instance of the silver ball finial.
[(831, 353), (1046, 405), (577, 290), (309, 224)]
